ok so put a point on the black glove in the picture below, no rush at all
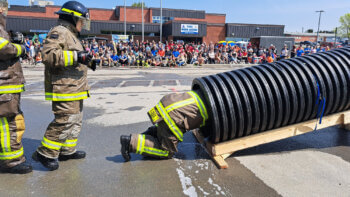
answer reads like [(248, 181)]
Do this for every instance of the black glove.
[(18, 38), (84, 57), (24, 51), (93, 65)]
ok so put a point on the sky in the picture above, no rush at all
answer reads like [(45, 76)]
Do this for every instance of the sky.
[(294, 14)]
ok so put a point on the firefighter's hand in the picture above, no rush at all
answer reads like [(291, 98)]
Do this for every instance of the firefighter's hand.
[(84, 57), (93, 65)]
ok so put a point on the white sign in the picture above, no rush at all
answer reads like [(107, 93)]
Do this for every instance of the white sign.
[(189, 29)]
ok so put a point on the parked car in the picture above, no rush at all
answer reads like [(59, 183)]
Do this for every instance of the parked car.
[(307, 43)]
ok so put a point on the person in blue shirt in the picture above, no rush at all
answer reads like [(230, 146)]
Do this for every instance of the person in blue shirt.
[(176, 53), (318, 48), (123, 59), (300, 52), (307, 50), (115, 58)]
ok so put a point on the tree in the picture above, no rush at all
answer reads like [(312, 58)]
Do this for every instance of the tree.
[(138, 5), (344, 29), (310, 31)]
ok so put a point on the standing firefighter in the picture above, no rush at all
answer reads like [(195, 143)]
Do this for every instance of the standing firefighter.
[(65, 85), (11, 85), (172, 116)]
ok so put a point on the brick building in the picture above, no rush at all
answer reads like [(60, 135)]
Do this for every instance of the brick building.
[(187, 25), (301, 37)]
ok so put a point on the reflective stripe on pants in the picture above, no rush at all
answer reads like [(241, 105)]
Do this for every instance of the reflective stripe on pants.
[(67, 97), (5, 136), (5, 140), (142, 149)]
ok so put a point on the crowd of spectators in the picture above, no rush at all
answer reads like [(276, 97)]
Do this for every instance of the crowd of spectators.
[(175, 54)]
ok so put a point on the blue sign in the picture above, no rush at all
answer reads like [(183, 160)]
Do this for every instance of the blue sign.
[(118, 38), (189, 29), (42, 37)]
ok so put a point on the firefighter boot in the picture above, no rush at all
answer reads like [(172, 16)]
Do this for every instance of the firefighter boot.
[(125, 142), (23, 168), (51, 164), (76, 155)]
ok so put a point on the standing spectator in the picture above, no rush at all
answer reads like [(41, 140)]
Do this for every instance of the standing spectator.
[(284, 53), (293, 52), (300, 51), (307, 50), (31, 53)]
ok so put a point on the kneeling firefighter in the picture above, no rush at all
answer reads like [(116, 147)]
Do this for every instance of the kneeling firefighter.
[(12, 125), (66, 85), (172, 116)]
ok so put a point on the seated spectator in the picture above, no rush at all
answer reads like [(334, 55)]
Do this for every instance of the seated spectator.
[(201, 59), (211, 57), (38, 58), (123, 59), (115, 59), (132, 59)]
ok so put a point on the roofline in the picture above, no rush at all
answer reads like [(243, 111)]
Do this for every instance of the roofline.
[(187, 22), (98, 21), (216, 14), (247, 24), (178, 9)]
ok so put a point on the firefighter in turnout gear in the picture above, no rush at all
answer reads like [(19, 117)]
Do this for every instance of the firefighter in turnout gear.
[(172, 116), (66, 85), (12, 81)]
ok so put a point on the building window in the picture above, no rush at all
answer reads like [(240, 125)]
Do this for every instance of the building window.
[(156, 19)]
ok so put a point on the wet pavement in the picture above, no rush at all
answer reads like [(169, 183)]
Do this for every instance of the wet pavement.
[(314, 164)]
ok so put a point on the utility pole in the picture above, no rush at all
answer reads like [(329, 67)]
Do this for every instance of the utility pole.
[(161, 20), (143, 23), (319, 21), (125, 18)]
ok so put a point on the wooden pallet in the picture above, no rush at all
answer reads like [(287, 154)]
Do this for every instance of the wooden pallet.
[(219, 152)]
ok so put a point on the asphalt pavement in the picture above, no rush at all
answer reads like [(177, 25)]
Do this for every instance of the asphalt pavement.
[(313, 164)]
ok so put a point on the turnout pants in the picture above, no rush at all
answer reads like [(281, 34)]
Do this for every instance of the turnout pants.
[(62, 134), (12, 128), (160, 143)]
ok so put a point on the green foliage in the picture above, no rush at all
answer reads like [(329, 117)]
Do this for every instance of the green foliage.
[(138, 5), (344, 29), (310, 31)]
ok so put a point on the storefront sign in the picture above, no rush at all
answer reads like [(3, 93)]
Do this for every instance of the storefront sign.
[(117, 38), (189, 29)]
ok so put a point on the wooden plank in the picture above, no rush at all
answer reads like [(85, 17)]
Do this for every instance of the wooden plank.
[(277, 134), (346, 124), (220, 162)]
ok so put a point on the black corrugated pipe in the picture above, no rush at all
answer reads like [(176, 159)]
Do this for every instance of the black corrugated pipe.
[(268, 96)]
